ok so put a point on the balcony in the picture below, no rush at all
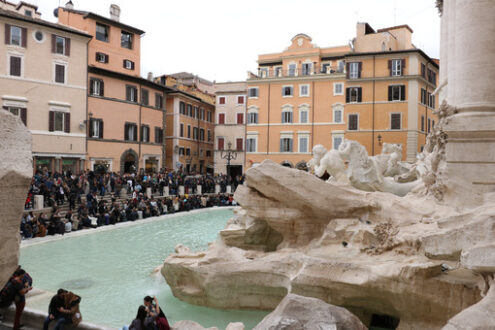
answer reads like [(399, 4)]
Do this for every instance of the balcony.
[(302, 71)]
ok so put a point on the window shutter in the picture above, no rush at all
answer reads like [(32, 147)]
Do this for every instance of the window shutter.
[(403, 64), (106, 58), (132, 65), (390, 71), (101, 88), (281, 145), (91, 87), (7, 34), (402, 92), (51, 121), (290, 145), (360, 67), (67, 46), (126, 130), (390, 93), (24, 37), (128, 93), (141, 135), (360, 94), (157, 133), (91, 131), (347, 70), (100, 123), (135, 132), (54, 43), (240, 118), (67, 122), (347, 95), (24, 116), (123, 64)]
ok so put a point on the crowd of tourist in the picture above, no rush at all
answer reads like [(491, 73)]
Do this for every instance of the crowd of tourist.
[(88, 208)]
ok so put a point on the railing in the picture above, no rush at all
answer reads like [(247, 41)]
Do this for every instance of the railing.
[(297, 72)]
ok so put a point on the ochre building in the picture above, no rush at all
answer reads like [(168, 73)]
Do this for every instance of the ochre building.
[(376, 90)]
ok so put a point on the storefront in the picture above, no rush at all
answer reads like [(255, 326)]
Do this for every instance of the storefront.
[(151, 165)]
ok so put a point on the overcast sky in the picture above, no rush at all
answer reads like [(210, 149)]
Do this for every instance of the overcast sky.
[(221, 39)]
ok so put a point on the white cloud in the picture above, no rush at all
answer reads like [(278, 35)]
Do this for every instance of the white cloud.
[(221, 39)]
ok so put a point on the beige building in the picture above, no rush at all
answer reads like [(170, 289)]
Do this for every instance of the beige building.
[(43, 81), (230, 128)]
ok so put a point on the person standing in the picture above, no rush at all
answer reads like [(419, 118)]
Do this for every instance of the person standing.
[(13, 292)]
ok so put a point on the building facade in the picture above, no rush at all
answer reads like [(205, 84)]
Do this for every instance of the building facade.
[(230, 127), (126, 113), (43, 77), (376, 90)]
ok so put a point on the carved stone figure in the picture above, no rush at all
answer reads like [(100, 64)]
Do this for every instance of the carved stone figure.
[(329, 161)]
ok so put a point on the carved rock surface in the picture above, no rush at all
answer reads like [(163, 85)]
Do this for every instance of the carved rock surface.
[(189, 325), (303, 313), (480, 259), (16, 171)]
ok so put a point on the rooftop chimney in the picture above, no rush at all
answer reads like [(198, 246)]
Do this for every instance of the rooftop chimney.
[(69, 5), (150, 76), (115, 12)]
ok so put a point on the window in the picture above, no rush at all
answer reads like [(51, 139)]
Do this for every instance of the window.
[(202, 114), (182, 108), (263, 72), (189, 110), (353, 122), (303, 116), (325, 68), (423, 70), (59, 121), (201, 134), (181, 130), (19, 112), (303, 90), (337, 115), (395, 121), (338, 89), (129, 65), (396, 67), (286, 144), (38, 35), (278, 71), (292, 70), (239, 143), (221, 118), (195, 133), (158, 135), (431, 100), (60, 45), (341, 66), (16, 35), (96, 128), (429, 125), (126, 39), (253, 92), (240, 99), (145, 133), (209, 135), (188, 151), (306, 69), (208, 116), (28, 13), (397, 92), (208, 153), (422, 123), (96, 87), (252, 118), (423, 96), (432, 124), (286, 117), (158, 100), (101, 32), (15, 66), (220, 143), (221, 100), (60, 73), (354, 70), (101, 57), (353, 94), (432, 77), (131, 93), (337, 141), (240, 118), (196, 112), (188, 131), (181, 151), (145, 95), (251, 144), (287, 91), (130, 132), (303, 144)]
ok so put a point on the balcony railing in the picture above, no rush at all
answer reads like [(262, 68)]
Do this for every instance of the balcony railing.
[(297, 72)]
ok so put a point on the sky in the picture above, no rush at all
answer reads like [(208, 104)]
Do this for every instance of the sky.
[(220, 40)]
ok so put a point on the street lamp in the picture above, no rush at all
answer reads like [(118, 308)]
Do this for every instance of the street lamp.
[(229, 155), (379, 137)]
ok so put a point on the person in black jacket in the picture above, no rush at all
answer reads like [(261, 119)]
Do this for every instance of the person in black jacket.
[(57, 311)]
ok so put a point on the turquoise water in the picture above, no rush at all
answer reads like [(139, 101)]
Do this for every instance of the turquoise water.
[(112, 270)]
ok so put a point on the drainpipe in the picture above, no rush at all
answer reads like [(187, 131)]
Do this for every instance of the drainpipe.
[(268, 123), (312, 115), (139, 128), (373, 113)]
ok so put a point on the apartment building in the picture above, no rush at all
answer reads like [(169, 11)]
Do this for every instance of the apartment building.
[(43, 77), (190, 125), (126, 113), (378, 89), (230, 128)]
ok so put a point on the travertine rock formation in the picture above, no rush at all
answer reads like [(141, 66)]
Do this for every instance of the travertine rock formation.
[(16, 171), (302, 313)]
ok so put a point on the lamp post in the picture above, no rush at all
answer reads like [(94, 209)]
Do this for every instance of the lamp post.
[(229, 155)]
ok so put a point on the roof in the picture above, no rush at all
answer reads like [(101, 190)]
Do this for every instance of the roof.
[(178, 91), (301, 35), (123, 76), (187, 75), (88, 14), (28, 19), (397, 52), (395, 28), (22, 3)]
